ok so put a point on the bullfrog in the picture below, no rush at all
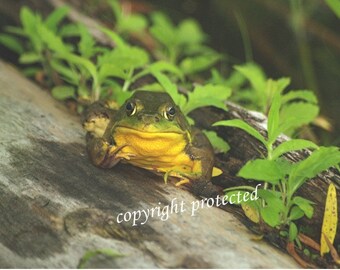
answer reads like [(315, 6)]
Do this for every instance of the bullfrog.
[(150, 131)]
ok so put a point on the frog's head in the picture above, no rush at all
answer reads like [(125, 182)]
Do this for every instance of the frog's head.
[(152, 112)]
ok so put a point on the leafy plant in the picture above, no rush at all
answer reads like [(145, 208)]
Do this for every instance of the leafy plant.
[(127, 22), (182, 44), (279, 207), (43, 37)]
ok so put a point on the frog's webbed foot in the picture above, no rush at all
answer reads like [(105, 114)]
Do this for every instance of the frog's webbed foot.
[(104, 155)]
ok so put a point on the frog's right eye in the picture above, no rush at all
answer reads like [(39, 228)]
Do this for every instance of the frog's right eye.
[(130, 108)]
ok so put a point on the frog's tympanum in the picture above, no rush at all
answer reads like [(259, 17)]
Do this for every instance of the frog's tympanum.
[(150, 131)]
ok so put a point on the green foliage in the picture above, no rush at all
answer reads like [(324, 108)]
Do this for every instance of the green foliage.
[(278, 205), (335, 6)]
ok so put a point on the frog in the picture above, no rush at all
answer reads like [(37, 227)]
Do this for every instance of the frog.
[(150, 131)]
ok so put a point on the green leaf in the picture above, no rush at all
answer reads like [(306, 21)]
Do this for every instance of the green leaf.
[(92, 253), (29, 58), (271, 215), (30, 23), (296, 114), (12, 43), (273, 118), (69, 30), (207, 95), (31, 71), (116, 9), (261, 170), (319, 161), (160, 66), (16, 31), (134, 23), (63, 92), (163, 30), (52, 41), (296, 213), (56, 17), (217, 142), (119, 42), (191, 65), (293, 231), (189, 32), (68, 74), (111, 70), (305, 205), (87, 43), (169, 87), (292, 145), (85, 63), (244, 126), (335, 6), (127, 58), (305, 95), (255, 75)]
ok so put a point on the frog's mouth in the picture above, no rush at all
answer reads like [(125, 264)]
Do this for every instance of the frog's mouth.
[(147, 129)]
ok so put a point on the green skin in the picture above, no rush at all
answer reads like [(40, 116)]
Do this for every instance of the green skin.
[(150, 117)]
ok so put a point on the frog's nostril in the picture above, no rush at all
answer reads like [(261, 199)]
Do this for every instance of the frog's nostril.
[(157, 118)]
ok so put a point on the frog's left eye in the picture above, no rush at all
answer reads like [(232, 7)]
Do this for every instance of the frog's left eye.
[(130, 108), (170, 113)]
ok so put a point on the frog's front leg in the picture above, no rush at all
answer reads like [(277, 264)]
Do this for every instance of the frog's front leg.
[(103, 154), (202, 154)]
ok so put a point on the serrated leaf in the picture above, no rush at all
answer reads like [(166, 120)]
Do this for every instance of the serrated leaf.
[(330, 220), (63, 92), (244, 126), (111, 70), (319, 161), (159, 66), (87, 43), (69, 30), (297, 114), (11, 43), (293, 231), (56, 17), (207, 95), (219, 145), (292, 145), (162, 29), (305, 205), (52, 41), (194, 64), (261, 170)]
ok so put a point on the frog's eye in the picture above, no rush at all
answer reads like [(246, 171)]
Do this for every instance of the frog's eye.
[(130, 108), (170, 113)]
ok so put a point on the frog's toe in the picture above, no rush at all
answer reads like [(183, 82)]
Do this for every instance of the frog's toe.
[(182, 182)]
